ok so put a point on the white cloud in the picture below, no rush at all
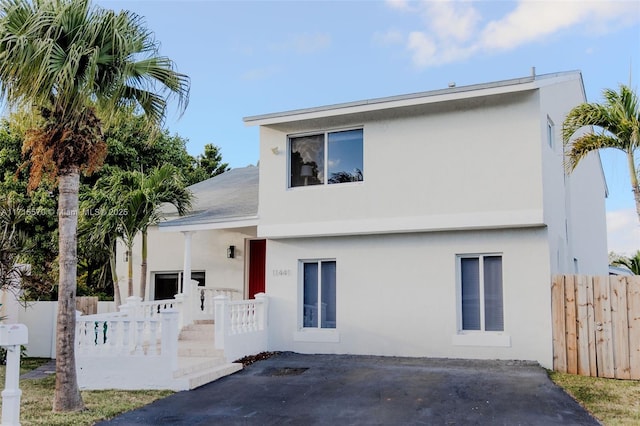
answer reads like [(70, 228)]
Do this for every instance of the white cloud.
[(423, 47), (623, 231), (453, 30), (450, 20), (304, 43)]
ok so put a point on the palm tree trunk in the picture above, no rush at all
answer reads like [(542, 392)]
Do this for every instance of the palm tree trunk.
[(67, 395), (635, 187), (130, 270), (114, 278), (143, 266)]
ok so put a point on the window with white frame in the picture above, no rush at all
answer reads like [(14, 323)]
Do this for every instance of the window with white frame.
[(319, 294), (550, 132), (481, 292), (326, 158), (167, 284)]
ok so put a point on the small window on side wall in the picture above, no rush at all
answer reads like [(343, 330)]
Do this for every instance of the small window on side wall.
[(326, 158), (550, 132)]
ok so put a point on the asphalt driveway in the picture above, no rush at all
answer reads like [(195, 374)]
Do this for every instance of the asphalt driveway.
[(365, 390)]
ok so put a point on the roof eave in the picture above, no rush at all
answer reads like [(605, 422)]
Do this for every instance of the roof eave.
[(421, 98), (231, 223)]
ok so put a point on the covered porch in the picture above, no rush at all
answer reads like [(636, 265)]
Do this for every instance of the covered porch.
[(204, 304)]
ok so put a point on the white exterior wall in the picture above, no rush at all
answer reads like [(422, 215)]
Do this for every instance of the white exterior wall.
[(208, 253), (460, 165), (398, 294), (574, 204)]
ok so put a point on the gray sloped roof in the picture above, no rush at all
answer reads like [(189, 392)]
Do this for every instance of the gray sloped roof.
[(230, 196)]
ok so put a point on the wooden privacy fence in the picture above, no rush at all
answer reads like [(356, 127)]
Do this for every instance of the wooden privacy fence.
[(88, 305), (596, 325)]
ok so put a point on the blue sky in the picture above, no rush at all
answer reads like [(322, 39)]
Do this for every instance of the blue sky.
[(253, 57)]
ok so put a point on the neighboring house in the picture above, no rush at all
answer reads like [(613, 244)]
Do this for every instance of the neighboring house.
[(418, 225)]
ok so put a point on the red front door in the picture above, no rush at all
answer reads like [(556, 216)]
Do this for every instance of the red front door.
[(257, 255)]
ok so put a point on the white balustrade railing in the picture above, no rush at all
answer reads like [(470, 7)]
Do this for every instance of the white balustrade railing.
[(241, 326), (151, 328), (123, 335), (204, 303), (137, 329)]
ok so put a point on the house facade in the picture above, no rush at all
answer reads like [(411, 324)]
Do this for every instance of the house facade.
[(419, 225)]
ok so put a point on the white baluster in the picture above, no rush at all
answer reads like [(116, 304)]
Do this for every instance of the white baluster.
[(245, 318), (112, 336), (153, 338), (98, 336), (139, 329), (126, 332)]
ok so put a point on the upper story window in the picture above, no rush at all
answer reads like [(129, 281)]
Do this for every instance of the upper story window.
[(550, 132), (326, 158)]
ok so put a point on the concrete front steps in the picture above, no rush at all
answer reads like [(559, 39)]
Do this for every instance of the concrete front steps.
[(199, 362)]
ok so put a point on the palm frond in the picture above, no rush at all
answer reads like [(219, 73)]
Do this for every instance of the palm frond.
[(586, 144)]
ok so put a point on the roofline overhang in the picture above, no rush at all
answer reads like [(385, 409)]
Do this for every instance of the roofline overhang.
[(420, 98), (240, 222)]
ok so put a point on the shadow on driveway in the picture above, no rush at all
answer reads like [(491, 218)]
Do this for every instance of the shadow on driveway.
[(300, 389)]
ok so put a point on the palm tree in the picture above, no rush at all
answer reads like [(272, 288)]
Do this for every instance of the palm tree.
[(135, 200), (73, 63), (619, 119), (631, 263), (101, 230), (163, 185)]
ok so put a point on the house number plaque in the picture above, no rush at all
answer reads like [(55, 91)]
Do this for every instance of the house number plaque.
[(281, 272)]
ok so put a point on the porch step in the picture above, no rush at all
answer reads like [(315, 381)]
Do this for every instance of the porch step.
[(199, 362), (199, 378), (198, 348), (198, 332), (208, 335), (190, 365)]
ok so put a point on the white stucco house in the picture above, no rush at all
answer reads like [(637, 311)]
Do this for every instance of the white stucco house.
[(426, 224)]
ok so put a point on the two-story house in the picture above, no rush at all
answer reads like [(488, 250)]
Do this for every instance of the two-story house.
[(426, 224)]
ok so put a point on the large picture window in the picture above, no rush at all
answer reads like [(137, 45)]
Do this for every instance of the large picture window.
[(168, 284), (319, 294), (326, 158), (481, 291)]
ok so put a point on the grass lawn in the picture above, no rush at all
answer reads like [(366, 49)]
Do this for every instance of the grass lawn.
[(37, 400), (613, 402)]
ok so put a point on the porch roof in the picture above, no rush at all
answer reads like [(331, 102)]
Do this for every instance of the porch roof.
[(229, 200)]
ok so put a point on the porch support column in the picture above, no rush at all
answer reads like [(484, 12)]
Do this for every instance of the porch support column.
[(186, 272)]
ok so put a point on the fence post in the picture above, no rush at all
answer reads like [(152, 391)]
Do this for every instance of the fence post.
[(181, 303), (133, 310), (263, 310), (221, 320), (169, 342)]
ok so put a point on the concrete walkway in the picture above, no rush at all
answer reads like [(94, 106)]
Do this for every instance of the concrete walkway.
[(41, 372), (364, 390)]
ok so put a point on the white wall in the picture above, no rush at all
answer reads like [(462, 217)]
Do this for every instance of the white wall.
[(397, 294), (40, 319), (574, 204), (462, 164), (208, 253)]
